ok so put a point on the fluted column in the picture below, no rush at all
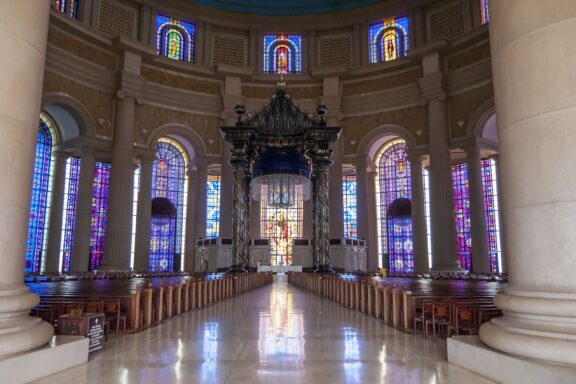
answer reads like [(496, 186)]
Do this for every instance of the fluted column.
[(367, 221), (191, 230), (534, 96), (56, 213), (419, 239), (119, 216), (81, 247), (226, 194), (336, 197), (200, 202), (144, 215), (23, 34), (480, 255), (441, 190)]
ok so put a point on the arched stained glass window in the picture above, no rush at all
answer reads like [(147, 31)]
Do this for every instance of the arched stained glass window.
[(281, 226), (69, 7), (388, 39), (484, 10), (100, 191), (492, 206), (350, 208), (393, 183), (175, 38), (213, 186), (460, 180), (282, 53), (462, 214), (169, 180), (41, 195)]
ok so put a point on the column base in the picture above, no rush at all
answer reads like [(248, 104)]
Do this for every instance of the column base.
[(470, 353), (535, 325), (326, 268), (238, 268), (62, 353)]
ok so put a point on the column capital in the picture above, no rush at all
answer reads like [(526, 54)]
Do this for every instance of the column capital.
[(129, 86), (471, 149), (432, 86), (147, 158), (365, 163), (414, 156), (61, 155)]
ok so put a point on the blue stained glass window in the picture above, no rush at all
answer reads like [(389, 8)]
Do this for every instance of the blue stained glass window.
[(72, 181), (388, 39), (462, 214), (169, 180), (213, 186), (282, 53), (40, 198), (426, 177), (69, 7), (484, 10), (175, 38), (491, 204), (393, 182), (350, 211), (100, 191)]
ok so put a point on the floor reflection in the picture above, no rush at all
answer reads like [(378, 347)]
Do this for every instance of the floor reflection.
[(281, 336)]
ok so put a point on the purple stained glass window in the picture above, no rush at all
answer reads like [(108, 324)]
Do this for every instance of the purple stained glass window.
[(169, 181), (175, 38), (213, 186), (484, 10), (462, 214), (100, 190), (69, 7), (69, 216), (491, 204), (282, 53), (39, 201), (350, 210), (393, 182)]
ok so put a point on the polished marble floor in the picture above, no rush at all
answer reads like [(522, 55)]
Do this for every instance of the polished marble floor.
[(276, 334)]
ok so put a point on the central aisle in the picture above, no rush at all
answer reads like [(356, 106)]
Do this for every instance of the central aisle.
[(276, 334)]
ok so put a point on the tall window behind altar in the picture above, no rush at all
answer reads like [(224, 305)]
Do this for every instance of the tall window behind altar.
[(393, 183), (281, 226), (388, 39)]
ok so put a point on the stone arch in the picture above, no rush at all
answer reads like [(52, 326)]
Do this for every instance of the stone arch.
[(371, 143), (190, 139), (482, 123), (71, 117)]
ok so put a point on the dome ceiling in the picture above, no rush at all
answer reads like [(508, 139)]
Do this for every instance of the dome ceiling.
[(284, 8)]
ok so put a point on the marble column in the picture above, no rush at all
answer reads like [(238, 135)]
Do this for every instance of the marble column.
[(441, 190), (307, 217), (56, 213), (419, 239), (367, 222), (191, 233), (119, 216), (23, 34), (336, 194), (144, 215), (480, 255), (534, 96), (81, 247), (200, 202), (226, 195)]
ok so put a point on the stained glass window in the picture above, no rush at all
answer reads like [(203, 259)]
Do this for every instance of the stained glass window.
[(485, 12), (69, 7), (72, 180), (388, 39), (491, 204), (169, 180), (175, 38), (281, 226), (100, 190), (282, 53), (40, 198), (135, 196), (213, 186), (426, 176), (350, 212), (392, 183), (462, 214)]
